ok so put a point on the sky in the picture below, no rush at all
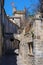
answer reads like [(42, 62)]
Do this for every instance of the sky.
[(20, 5)]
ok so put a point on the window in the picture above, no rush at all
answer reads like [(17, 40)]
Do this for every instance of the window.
[(30, 45), (42, 25)]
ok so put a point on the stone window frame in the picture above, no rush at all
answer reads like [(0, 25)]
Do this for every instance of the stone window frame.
[(30, 45)]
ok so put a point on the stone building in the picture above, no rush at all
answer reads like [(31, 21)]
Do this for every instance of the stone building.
[(18, 17), (31, 37), (31, 48), (7, 29), (35, 55)]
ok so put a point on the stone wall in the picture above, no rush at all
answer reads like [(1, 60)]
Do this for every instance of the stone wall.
[(0, 33), (0, 39), (38, 45)]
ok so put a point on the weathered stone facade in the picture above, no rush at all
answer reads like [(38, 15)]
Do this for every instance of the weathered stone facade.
[(38, 46), (36, 55), (30, 48)]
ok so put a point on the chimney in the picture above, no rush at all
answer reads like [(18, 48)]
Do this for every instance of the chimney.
[(14, 9), (25, 10)]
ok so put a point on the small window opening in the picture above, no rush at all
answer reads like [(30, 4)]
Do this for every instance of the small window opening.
[(30, 45)]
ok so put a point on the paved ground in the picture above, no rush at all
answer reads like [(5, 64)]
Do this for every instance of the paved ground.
[(11, 59), (20, 60)]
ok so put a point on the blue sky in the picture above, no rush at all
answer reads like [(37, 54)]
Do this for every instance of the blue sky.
[(20, 4)]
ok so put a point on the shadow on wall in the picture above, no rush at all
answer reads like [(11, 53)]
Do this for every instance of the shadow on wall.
[(9, 59)]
